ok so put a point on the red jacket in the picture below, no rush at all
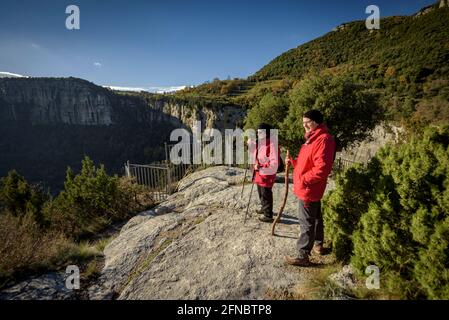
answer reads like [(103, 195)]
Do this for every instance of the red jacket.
[(265, 159), (313, 165)]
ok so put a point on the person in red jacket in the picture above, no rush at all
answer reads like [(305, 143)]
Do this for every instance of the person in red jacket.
[(265, 169), (311, 170)]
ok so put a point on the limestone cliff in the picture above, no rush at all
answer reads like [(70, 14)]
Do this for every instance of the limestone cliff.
[(52, 101), (43, 101), (48, 124), (213, 115)]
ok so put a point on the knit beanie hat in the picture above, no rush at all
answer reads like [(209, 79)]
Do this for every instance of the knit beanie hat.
[(264, 126), (314, 115)]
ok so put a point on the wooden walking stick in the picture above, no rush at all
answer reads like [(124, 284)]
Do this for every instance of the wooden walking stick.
[(278, 218)]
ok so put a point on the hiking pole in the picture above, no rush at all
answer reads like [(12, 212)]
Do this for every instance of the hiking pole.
[(252, 182), (250, 194), (247, 207), (244, 181)]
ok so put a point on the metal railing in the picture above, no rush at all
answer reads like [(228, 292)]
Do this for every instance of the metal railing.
[(162, 177), (179, 171), (154, 176), (341, 164)]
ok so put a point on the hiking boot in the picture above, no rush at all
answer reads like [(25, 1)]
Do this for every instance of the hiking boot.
[(319, 249), (266, 219), (299, 262), (273, 214)]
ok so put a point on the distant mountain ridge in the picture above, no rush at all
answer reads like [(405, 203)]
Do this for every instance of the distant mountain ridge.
[(4, 74), (160, 90), (406, 43), (406, 62)]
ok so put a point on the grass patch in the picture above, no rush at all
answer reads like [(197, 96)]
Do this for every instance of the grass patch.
[(155, 253), (143, 265), (93, 270), (321, 287), (26, 250), (199, 220), (102, 243)]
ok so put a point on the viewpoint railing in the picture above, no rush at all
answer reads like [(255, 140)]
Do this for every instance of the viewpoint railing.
[(154, 176), (341, 164), (162, 178)]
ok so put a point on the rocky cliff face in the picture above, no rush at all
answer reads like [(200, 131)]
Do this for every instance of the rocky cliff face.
[(48, 124), (43, 101), (54, 101), (380, 136), (211, 116)]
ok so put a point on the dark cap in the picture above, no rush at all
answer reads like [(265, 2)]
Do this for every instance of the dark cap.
[(264, 126), (314, 115)]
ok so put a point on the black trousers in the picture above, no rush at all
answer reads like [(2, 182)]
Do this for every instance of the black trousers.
[(266, 200), (312, 228)]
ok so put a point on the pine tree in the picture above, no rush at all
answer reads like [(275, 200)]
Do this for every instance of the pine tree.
[(403, 227)]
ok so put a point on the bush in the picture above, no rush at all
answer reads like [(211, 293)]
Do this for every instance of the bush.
[(349, 110), (401, 225), (433, 111), (18, 197), (271, 110), (343, 207), (432, 268), (91, 200), (87, 203), (24, 246)]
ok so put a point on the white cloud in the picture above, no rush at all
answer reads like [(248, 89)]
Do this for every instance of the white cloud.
[(97, 64), (35, 46)]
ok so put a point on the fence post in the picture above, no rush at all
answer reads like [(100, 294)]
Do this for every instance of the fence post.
[(166, 153), (127, 172), (167, 164)]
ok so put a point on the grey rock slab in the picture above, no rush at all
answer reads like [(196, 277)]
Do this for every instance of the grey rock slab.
[(50, 286), (195, 245)]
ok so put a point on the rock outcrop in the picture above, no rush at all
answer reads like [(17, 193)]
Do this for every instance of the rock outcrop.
[(378, 138), (438, 5), (72, 101), (54, 101), (47, 287), (48, 124), (195, 245), (218, 116)]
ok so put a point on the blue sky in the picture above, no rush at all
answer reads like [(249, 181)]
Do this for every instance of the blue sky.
[(167, 43)]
